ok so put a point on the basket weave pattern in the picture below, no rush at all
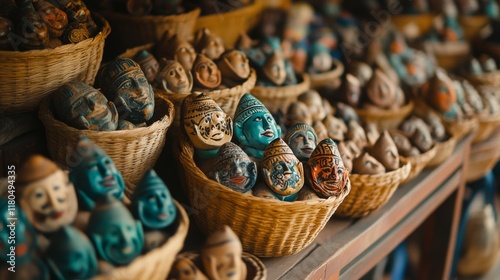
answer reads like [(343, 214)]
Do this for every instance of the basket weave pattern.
[(444, 150), (419, 162), (331, 77), (370, 192), (266, 228), (387, 119), (134, 151), (156, 264), (27, 77), (487, 125)]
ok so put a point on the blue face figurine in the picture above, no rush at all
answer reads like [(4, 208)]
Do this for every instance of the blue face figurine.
[(71, 255), (123, 82), (152, 203), (116, 236), (25, 235), (254, 126), (95, 175)]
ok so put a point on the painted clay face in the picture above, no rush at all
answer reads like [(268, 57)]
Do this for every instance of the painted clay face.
[(315, 104), (37, 33), (185, 54), (352, 90), (402, 143), (55, 19), (302, 139), (362, 71), (209, 44), (274, 69), (26, 242), (380, 90), (386, 152), (77, 11), (71, 255), (320, 129), (282, 171), (116, 236), (205, 73), (357, 134), (234, 67), (184, 269), (336, 128), (174, 78), (442, 94), (411, 124), (366, 164), (353, 148), (422, 139), (328, 175), (372, 133), (298, 113), (221, 256), (254, 126), (152, 203), (234, 169), (95, 174), (438, 130), (48, 197), (346, 155), (206, 124), (149, 64), (123, 82), (84, 107)]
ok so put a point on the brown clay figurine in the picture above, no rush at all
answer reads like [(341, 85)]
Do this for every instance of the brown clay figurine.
[(173, 78), (328, 176), (315, 104), (403, 144), (206, 74), (381, 92), (81, 25), (282, 171), (176, 48), (184, 269), (336, 128), (34, 31), (208, 44), (386, 152), (302, 140), (362, 71), (47, 196), (206, 124), (422, 139), (366, 164), (320, 129), (221, 256), (346, 155), (55, 19), (234, 67), (371, 132), (351, 90), (351, 146), (345, 112), (357, 134), (148, 63), (298, 113)]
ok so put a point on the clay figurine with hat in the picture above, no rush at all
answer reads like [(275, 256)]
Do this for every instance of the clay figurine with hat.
[(149, 64), (173, 47), (208, 44), (173, 78), (234, 67), (206, 74), (302, 139)]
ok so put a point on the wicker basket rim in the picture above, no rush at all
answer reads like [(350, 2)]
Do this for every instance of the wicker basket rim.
[(305, 81), (46, 115), (489, 118), (336, 71), (158, 18), (103, 33), (252, 78), (448, 48), (423, 156), (404, 168), (184, 144), (386, 113)]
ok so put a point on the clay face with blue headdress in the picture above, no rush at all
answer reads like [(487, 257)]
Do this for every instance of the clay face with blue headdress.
[(254, 126), (94, 174), (282, 171), (84, 107), (117, 237), (234, 169), (152, 203), (123, 82), (47, 196), (70, 255)]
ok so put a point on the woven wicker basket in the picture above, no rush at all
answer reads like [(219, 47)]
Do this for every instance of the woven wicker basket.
[(487, 125), (266, 228), (444, 150), (472, 25), (419, 162), (256, 270), (388, 119), (370, 192), (330, 79), (131, 31), (279, 98), (406, 23), (230, 25), (27, 77), (488, 79), (134, 151), (483, 157), (449, 55), (157, 263)]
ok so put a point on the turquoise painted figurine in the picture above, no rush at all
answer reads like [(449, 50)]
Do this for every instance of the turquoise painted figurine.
[(282, 171), (152, 204), (319, 59), (302, 139), (327, 175), (173, 78), (70, 255), (149, 64), (46, 195), (441, 96), (123, 82), (234, 169), (117, 237), (206, 125), (94, 175), (84, 107), (254, 126)]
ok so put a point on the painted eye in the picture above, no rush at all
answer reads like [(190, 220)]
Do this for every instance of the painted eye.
[(127, 85), (152, 198), (171, 73), (203, 67), (39, 194), (258, 119), (56, 187), (180, 69)]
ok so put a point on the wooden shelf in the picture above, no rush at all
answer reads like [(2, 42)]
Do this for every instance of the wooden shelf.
[(348, 248)]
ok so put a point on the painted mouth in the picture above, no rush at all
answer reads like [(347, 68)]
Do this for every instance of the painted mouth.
[(21, 249), (57, 215), (238, 180), (108, 181), (268, 133), (307, 150), (162, 216), (217, 136)]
